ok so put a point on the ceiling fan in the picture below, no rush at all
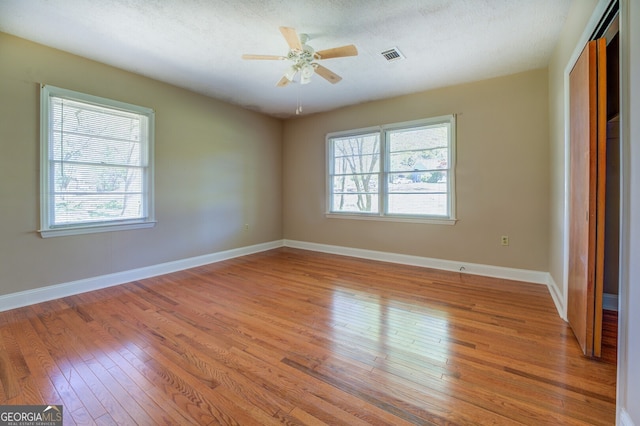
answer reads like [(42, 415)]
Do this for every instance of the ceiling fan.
[(304, 57)]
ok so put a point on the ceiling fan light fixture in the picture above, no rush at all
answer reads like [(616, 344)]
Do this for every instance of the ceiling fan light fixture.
[(291, 73), (305, 80), (306, 72)]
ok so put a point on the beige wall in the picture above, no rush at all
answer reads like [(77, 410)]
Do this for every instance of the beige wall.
[(502, 175), (217, 167)]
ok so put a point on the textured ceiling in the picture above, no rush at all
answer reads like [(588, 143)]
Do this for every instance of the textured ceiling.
[(197, 44)]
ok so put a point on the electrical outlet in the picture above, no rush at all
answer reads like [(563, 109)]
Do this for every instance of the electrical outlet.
[(504, 240), (246, 226)]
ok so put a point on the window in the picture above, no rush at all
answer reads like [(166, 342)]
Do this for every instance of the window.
[(402, 171), (96, 164)]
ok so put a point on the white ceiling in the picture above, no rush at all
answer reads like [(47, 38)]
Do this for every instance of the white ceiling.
[(197, 44)]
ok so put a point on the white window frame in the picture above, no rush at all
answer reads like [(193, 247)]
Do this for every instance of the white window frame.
[(383, 171), (47, 180)]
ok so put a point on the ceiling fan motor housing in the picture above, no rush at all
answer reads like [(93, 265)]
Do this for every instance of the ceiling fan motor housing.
[(302, 62), (302, 57)]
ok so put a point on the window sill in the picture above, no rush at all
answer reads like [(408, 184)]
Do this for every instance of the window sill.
[(406, 219), (89, 229)]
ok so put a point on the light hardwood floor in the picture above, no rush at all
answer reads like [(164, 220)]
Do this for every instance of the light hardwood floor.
[(297, 337)]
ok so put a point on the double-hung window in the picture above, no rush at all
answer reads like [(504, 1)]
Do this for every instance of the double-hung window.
[(402, 171), (96, 164)]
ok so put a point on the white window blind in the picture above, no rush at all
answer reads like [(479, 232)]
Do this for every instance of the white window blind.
[(96, 164)]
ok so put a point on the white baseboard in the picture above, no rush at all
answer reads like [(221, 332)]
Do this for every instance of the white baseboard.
[(610, 302), (556, 295), (536, 277), (447, 265), (625, 419), (30, 297)]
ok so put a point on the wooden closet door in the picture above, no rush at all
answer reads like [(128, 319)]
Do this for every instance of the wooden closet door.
[(587, 196)]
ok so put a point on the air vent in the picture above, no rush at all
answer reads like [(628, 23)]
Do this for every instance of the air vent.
[(392, 55)]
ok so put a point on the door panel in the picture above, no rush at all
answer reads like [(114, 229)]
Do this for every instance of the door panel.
[(587, 192)]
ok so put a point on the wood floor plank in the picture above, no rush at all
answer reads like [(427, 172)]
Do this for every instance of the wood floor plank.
[(610, 336), (46, 376), (10, 363), (81, 417), (132, 373), (297, 337), (344, 401)]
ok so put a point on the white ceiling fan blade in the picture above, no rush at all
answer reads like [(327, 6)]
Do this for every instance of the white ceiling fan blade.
[(291, 36), (267, 57), (337, 52), (327, 74)]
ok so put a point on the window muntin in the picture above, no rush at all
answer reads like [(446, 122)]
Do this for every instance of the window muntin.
[(97, 168), (404, 170)]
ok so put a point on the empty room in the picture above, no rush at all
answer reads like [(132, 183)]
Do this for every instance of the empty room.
[(346, 212)]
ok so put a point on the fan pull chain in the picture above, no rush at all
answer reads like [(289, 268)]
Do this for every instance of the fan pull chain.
[(298, 103)]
